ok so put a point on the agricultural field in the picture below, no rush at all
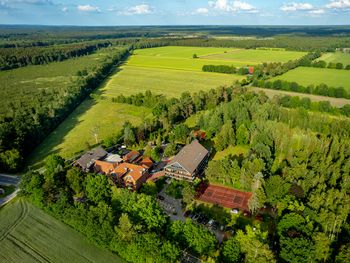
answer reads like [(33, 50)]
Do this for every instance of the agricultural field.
[(76, 132), (252, 56), (24, 85), (130, 80), (182, 57), (27, 234), (337, 57), (307, 76)]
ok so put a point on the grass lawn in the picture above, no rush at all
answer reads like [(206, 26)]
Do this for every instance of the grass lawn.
[(74, 134), (232, 150), (336, 57), (8, 190), (27, 234), (172, 83), (307, 76)]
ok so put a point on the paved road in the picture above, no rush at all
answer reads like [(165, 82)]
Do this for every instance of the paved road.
[(8, 198), (6, 179)]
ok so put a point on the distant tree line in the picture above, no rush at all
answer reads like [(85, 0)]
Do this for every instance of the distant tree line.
[(321, 89), (307, 104), (225, 69), (293, 43), (22, 132), (11, 58), (331, 65)]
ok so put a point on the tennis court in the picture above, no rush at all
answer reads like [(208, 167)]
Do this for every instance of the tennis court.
[(224, 196)]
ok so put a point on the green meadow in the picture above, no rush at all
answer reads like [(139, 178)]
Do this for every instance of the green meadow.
[(182, 57), (337, 57), (252, 56), (308, 76), (76, 132), (27, 234)]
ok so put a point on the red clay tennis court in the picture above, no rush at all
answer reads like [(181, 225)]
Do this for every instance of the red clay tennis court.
[(224, 196)]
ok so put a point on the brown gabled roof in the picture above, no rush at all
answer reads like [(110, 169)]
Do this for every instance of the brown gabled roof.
[(89, 158), (131, 156), (190, 156)]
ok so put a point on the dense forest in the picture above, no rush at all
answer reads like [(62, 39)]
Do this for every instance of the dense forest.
[(296, 166), (28, 125)]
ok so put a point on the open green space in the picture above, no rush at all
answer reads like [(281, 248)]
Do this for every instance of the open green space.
[(182, 57), (253, 56), (314, 76), (76, 133), (337, 57), (27, 234), (232, 150), (130, 80), (21, 87)]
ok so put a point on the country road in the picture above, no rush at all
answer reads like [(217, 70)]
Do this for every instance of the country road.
[(6, 179)]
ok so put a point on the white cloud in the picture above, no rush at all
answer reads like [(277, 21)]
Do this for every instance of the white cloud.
[(202, 11), (64, 9), (317, 12), (339, 4), (233, 6), (291, 7), (88, 8), (143, 9)]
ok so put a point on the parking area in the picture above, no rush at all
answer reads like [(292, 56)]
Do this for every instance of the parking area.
[(171, 206)]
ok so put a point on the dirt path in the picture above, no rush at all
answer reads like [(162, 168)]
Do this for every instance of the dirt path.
[(336, 102)]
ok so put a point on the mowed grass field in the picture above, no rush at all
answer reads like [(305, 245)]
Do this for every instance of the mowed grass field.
[(307, 76), (182, 57), (27, 234), (75, 133), (337, 57), (130, 80)]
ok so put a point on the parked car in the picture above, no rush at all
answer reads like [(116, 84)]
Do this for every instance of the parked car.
[(160, 197), (211, 222), (196, 216), (187, 213), (234, 211)]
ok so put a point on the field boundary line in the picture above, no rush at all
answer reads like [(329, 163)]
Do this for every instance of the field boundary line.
[(22, 216)]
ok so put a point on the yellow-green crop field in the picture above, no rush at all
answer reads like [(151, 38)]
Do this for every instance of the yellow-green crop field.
[(182, 57), (27, 234)]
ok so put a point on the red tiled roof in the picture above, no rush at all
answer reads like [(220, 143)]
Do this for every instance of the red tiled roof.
[(135, 171), (146, 162), (156, 176), (224, 196), (104, 167)]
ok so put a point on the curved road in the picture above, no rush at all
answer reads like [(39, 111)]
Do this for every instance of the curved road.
[(6, 179)]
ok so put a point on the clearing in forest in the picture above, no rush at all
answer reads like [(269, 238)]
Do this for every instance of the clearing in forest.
[(313, 76), (27, 234)]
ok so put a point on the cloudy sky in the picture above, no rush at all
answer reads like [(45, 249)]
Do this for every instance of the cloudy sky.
[(175, 12)]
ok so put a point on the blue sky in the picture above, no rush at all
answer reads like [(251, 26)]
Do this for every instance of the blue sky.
[(175, 12)]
